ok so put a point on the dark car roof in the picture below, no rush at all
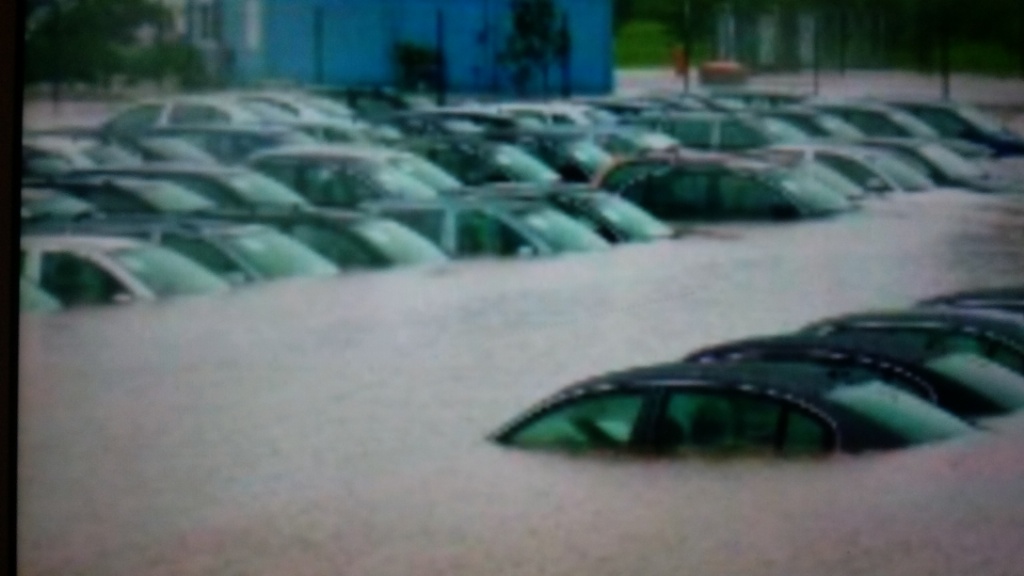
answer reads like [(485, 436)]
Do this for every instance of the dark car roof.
[(156, 169), (1002, 293), (116, 225), (985, 320)]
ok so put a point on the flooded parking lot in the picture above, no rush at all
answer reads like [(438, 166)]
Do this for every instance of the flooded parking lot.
[(338, 426)]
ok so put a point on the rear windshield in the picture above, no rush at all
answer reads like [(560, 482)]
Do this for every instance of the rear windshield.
[(167, 273), (264, 191), (276, 255), (993, 381), (560, 232), (910, 418), (398, 242)]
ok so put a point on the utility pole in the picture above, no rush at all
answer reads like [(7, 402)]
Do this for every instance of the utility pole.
[(441, 78), (687, 45), (318, 45), (945, 40), (816, 50)]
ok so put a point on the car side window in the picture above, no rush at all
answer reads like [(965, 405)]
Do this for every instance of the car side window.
[(874, 124), (429, 223), (860, 175), (600, 421), (480, 234), (742, 196), (284, 171), (686, 194), (739, 136), (76, 281), (734, 422), (341, 248), (196, 114), (944, 342), (696, 133), (207, 255), (136, 119), (333, 186)]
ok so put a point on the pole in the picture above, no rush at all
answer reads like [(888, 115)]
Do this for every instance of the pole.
[(687, 46), (944, 47), (816, 50), (441, 77), (58, 56), (318, 44)]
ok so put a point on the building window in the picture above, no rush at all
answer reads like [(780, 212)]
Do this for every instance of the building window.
[(253, 24)]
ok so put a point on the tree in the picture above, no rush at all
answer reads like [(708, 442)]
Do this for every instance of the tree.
[(85, 40), (533, 43)]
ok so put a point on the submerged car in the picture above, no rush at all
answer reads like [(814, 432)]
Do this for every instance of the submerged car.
[(239, 253), (722, 409), (40, 204), (573, 153), (228, 188), (476, 227), (719, 131), (337, 176), (993, 335), (353, 240), (944, 166), (1009, 299), (966, 122), (721, 189), (129, 195), (476, 161), (85, 270), (963, 383), (875, 171), (613, 217)]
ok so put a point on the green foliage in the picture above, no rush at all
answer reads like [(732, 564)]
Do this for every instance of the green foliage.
[(86, 40), (538, 39), (417, 65)]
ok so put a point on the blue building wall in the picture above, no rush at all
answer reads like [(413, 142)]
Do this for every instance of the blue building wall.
[(358, 39)]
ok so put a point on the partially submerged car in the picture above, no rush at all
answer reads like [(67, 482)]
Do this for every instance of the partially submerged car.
[(475, 227), (724, 189), (727, 410), (996, 336), (963, 383), (966, 122), (1008, 299), (85, 270)]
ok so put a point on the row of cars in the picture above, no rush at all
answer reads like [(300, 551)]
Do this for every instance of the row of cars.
[(855, 383), (200, 193)]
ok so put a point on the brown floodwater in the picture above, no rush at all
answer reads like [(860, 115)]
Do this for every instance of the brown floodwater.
[(338, 426)]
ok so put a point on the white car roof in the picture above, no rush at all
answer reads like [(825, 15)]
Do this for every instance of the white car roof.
[(78, 242)]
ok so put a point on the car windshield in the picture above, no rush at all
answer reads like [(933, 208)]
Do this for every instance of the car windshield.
[(261, 111), (980, 119), (654, 140), (904, 175), (170, 197), (398, 243), (275, 255), (810, 194), (399, 184), (111, 155), (53, 205), (262, 190), (523, 166), (912, 419), (177, 149), (560, 232), (950, 162), (991, 380), (425, 171), (831, 178), (591, 156), (627, 217), (839, 128), (168, 273), (783, 132), (912, 125)]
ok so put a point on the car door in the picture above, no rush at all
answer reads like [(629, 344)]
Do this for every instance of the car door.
[(722, 422)]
